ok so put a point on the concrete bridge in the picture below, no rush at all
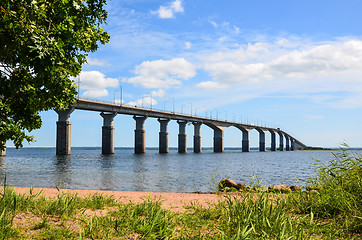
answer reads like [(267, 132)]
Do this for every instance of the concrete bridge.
[(109, 111)]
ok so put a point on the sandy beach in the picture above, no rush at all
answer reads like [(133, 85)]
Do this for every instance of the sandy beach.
[(172, 201)]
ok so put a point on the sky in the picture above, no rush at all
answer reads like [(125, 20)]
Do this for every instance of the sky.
[(296, 65)]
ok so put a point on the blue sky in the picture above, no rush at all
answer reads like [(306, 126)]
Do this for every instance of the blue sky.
[(296, 65)]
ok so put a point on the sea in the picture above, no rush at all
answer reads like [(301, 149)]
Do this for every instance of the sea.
[(87, 168)]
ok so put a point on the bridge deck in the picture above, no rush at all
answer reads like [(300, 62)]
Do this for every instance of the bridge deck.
[(90, 105)]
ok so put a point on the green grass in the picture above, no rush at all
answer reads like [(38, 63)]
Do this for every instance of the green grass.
[(333, 212)]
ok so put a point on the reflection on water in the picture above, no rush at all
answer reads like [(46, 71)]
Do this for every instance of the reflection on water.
[(106, 163), (63, 171), (86, 168)]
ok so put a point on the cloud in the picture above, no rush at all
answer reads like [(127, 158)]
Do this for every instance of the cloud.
[(323, 60), (95, 93), (210, 85), (214, 24), (162, 73), (229, 72), (225, 26), (318, 62), (158, 93), (148, 100), (170, 10), (145, 101), (95, 62), (187, 45), (95, 83)]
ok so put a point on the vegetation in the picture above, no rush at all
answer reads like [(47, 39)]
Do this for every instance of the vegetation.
[(43, 45), (331, 212), (316, 148)]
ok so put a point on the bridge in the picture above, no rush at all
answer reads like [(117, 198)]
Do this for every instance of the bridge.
[(108, 112)]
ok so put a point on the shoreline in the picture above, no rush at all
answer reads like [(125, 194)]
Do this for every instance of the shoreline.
[(174, 201)]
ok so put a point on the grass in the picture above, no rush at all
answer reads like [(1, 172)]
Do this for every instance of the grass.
[(332, 212)]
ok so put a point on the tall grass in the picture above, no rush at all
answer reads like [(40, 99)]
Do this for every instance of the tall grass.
[(340, 194), (256, 217)]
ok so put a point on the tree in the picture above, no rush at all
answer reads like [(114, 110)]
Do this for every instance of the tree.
[(43, 46)]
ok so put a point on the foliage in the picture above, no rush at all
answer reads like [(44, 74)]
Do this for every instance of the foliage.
[(340, 194), (43, 45)]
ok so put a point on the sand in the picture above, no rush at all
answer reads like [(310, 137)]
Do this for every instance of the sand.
[(172, 201)]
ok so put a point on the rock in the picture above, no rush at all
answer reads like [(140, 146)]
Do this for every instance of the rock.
[(283, 188), (240, 186), (226, 183), (295, 188)]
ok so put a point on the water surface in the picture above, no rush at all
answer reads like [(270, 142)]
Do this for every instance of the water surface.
[(86, 168)]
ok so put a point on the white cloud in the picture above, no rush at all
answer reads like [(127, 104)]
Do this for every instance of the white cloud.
[(119, 101), (95, 83), (170, 10), (323, 60), (187, 45), (146, 101), (229, 72), (210, 85), (95, 93), (95, 62), (158, 93), (162, 73), (247, 65), (236, 29), (214, 24)]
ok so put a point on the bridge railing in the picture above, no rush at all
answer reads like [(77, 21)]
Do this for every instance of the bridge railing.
[(205, 116)]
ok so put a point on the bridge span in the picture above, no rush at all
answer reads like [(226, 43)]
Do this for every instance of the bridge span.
[(109, 111)]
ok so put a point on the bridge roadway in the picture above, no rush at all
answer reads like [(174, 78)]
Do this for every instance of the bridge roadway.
[(109, 111)]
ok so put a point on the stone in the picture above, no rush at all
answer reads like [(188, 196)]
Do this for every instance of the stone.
[(226, 189), (280, 188), (228, 183), (295, 188), (240, 186)]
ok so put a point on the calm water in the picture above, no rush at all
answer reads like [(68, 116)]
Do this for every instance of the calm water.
[(86, 168)]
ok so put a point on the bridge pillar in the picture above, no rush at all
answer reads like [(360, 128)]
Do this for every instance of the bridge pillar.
[(273, 146), (139, 140), (108, 133), (197, 137), (218, 140), (281, 144), (3, 152), (261, 140), (245, 142), (287, 148), (64, 132), (163, 136), (182, 137), (292, 144)]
